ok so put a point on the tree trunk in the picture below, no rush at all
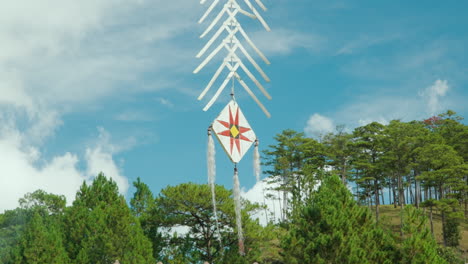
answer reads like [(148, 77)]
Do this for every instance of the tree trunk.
[(376, 190), (407, 196), (394, 195), (411, 194), (280, 205), (466, 200), (417, 191), (390, 193), (432, 224), (285, 205), (343, 174), (466, 209), (382, 196), (401, 199), (401, 191), (443, 228), (441, 196)]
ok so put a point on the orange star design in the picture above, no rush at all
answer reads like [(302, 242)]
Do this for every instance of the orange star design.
[(234, 131)]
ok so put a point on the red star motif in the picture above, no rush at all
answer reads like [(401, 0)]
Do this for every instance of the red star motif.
[(234, 131)]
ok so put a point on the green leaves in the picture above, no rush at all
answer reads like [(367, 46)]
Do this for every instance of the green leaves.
[(334, 229), (101, 229), (42, 241), (418, 245)]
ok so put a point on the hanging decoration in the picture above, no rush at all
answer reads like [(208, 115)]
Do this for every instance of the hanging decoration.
[(231, 127)]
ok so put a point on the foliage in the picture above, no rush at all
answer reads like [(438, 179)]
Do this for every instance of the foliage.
[(334, 229), (418, 246), (420, 163), (101, 229), (189, 205), (293, 164), (144, 209), (51, 203), (42, 241)]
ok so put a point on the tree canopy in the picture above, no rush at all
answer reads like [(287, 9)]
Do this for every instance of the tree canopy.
[(331, 193)]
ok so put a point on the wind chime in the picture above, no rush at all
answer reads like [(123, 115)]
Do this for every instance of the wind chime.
[(231, 127)]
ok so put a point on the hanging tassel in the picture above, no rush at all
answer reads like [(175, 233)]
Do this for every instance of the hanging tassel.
[(256, 161), (210, 157), (237, 207)]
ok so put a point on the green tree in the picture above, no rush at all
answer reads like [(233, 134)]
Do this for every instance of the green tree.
[(451, 218), (339, 152), (418, 245), (189, 205), (51, 203), (431, 203), (445, 172), (42, 241), (143, 207), (101, 228), (334, 229), (142, 198), (12, 224), (293, 164), (368, 149), (455, 134)]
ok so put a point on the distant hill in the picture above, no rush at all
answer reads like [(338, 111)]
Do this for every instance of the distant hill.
[(391, 217)]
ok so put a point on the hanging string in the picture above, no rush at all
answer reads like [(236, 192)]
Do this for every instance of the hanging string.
[(256, 161), (232, 28), (210, 157), (237, 207)]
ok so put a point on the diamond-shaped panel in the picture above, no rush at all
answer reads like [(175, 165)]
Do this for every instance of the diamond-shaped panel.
[(233, 131)]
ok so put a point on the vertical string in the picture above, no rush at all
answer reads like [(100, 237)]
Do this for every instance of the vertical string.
[(237, 207), (256, 161), (232, 27), (210, 155)]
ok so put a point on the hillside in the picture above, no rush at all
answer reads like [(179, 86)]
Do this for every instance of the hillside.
[(391, 217)]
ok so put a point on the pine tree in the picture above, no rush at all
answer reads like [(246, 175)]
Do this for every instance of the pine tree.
[(190, 205), (294, 162), (368, 149), (101, 228), (142, 198), (334, 229), (12, 224), (42, 241), (418, 246), (143, 208), (339, 152)]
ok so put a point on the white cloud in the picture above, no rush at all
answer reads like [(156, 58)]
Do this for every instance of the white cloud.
[(283, 41), (58, 56), (99, 158), (263, 193), (24, 169), (64, 53), (133, 115), (62, 56), (319, 125), (364, 42), (382, 109), (363, 110), (260, 193), (165, 102), (433, 95), (19, 173)]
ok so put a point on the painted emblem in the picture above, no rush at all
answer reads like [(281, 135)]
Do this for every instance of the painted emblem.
[(233, 131)]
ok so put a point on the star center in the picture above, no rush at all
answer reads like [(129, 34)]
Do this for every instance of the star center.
[(234, 131)]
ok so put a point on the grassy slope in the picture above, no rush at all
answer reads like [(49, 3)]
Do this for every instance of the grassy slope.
[(391, 216)]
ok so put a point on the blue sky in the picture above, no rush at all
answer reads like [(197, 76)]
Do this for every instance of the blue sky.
[(107, 85)]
